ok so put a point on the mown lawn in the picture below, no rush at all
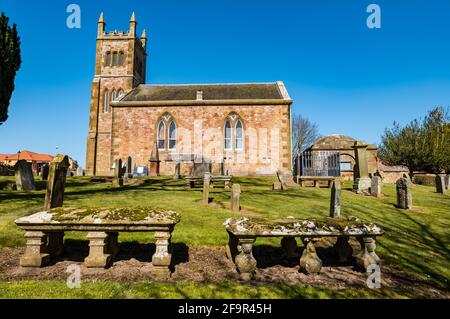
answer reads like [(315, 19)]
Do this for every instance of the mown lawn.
[(416, 241)]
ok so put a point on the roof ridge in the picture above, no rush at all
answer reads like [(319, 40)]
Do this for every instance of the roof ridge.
[(193, 84)]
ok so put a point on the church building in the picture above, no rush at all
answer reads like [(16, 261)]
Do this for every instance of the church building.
[(240, 129)]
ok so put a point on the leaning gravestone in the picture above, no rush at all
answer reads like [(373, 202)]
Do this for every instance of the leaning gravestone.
[(206, 182), (44, 172), (54, 196), (24, 176), (335, 202), (440, 184), (118, 173), (177, 173), (235, 204), (404, 194), (375, 187)]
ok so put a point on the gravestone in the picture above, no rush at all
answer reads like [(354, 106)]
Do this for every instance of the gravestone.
[(206, 182), (199, 169), (44, 172), (54, 196), (235, 204), (24, 176), (375, 187), (447, 182), (361, 181), (335, 202), (404, 194), (222, 168), (154, 161), (129, 168), (440, 184), (118, 173), (177, 173), (279, 184), (80, 171)]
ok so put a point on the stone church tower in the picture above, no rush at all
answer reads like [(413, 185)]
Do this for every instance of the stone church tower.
[(120, 66)]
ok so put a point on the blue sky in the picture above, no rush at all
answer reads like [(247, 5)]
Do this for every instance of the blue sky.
[(347, 78)]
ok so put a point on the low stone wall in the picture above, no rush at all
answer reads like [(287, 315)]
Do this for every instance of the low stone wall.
[(424, 179)]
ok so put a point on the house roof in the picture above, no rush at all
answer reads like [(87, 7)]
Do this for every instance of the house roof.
[(336, 142), (26, 155), (210, 92)]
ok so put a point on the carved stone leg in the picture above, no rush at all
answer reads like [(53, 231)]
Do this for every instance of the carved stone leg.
[(55, 243), (367, 256), (112, 244), (245, 262), (316, 184), (289, 246), (231, 248), (98, 256), (161, 258), (226, 185), (36, 254), (343, 249), (310, 263), (191, 184)]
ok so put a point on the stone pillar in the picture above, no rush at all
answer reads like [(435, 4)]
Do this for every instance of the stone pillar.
[(367, 256), (404, 194), (177, 173), (310, 263), (206, 184), (335, 202), (440, 184), (24, 176), (361, 181), (289, 246), (162, 257), (54, 196), (235, 204), (44, 172), (118, 176), (154, 161), (98, 256), (36, 253), (375, 186), (245, 262), (343, 249)]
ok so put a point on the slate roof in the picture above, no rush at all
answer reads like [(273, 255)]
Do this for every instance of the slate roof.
[(188, 92)]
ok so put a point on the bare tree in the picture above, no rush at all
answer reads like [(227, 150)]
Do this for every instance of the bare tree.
[(304, 133)]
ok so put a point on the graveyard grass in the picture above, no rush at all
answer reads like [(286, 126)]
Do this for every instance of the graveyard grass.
[(416, 241)]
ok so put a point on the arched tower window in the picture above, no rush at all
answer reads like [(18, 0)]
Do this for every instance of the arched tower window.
[(227, 135), (108, 59), (114, 58), (172, 135), (121, 58), (113, 95), (106, 101), (239, 144), (161, 135)]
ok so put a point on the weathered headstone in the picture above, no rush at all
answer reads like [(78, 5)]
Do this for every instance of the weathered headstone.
[(54, 196), (154, 161), (129, 168), (361, 181), (404, 194), (44, 172), (24, 176), (279, 184), (235, 204), (177, 173), (206, 182), (440, 184), (80, 171), (199, 169), (447, 182), (118, 180), (375, 187), (335, 202), (222, 168)]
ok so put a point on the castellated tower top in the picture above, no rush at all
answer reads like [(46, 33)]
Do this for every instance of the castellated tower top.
[(114, 34)]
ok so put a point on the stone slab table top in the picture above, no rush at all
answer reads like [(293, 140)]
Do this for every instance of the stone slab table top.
[(319, 227), (102, 218)]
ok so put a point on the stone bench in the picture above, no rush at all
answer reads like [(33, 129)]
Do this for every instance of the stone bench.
[(244, 231), (192, 180), (44, 232), (316, 180)]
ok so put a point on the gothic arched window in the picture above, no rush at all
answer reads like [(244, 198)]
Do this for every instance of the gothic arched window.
[(161, 135), (239, 145), (114, 58), (121, 58), (106, 101), (227, 135), (108, 59), (113, 95), (172, 135)]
